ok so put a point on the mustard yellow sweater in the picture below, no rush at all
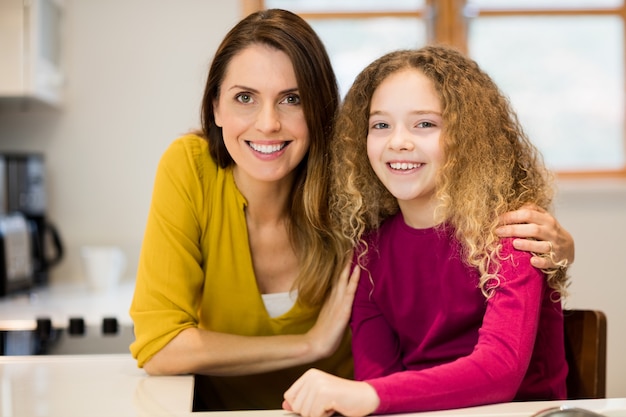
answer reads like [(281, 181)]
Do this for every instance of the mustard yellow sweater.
[(195, 270)]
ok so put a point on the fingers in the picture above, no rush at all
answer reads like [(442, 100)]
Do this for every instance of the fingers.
[(304, 396), (354, 280), (330, 328), (527, 214), (293, 399), (286, 406), (347, 286), (547, 254), (541, 233), (535, 246), (541, 263)]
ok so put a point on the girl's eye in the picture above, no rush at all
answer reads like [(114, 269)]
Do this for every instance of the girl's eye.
[(243, 98), (293, 99), (425, 124), (380, 125)]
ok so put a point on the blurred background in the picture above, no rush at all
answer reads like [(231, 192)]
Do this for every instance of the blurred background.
[(132, 73)]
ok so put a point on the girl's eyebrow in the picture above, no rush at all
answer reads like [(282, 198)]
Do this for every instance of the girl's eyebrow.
[(415, 112)]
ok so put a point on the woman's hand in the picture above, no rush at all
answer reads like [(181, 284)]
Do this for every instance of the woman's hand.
[(325, 336), (318, 394), (540, 233)]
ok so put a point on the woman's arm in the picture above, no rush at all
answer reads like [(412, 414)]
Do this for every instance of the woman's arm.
[(196, 350), (171, 278), (540, 233)]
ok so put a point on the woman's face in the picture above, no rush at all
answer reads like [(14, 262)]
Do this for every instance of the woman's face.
[(403, 142), (261, 116)]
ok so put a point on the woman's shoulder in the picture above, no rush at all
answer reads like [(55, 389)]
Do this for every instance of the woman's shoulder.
[(191, 144), (190, 150)]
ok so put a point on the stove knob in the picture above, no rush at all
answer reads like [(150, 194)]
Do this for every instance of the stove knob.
[(109, 325), (43, 330), (77, 326)]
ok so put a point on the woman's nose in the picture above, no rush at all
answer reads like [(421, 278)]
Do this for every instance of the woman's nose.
[(268, 119)]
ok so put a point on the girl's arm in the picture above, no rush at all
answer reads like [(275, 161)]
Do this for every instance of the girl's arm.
[(539, 233), (492, 373)]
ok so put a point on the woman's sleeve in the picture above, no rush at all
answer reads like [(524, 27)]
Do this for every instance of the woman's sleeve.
[(495, 369), (169, 276)]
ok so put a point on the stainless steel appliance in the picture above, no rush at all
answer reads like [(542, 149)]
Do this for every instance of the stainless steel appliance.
[(16, 263), (23, 193)]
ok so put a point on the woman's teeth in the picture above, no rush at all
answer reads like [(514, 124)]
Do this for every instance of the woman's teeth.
[(404, 165), (267, 149)]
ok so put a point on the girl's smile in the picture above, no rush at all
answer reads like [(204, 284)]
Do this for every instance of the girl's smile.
[(403, 142)]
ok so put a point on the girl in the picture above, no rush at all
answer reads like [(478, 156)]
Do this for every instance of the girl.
[(446, 314)]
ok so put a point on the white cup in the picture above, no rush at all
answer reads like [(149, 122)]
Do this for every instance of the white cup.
[(103, 265)]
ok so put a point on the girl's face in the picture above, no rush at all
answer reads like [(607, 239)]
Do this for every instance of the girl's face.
[(403, 142), (261, 117)]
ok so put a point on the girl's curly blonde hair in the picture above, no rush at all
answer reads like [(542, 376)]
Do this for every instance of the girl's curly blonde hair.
[(490, 166)]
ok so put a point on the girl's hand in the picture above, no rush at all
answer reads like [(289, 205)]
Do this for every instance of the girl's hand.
[(325, 336), (318, 394), (540, 233)]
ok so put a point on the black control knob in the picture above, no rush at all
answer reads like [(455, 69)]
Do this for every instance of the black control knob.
[(76, 326), (110, 325), (44, 336), (43, 331)]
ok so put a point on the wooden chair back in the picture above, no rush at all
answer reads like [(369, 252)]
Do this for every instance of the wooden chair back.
[(585, 349)]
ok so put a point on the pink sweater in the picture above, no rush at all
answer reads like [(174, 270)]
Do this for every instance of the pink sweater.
[(426, 338)]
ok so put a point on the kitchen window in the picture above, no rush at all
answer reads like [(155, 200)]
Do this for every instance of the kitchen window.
[(561, 62)]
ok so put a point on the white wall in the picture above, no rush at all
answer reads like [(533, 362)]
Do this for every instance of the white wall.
[(135, 75), (136, 71)]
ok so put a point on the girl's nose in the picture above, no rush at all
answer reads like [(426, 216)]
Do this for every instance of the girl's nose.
[(268, 119), (400, 139)]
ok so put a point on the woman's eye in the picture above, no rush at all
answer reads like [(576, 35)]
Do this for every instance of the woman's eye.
[(243, 98), (292, 99), (425, 124)]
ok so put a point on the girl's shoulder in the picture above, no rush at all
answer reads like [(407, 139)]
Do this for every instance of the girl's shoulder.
[(508, 250)]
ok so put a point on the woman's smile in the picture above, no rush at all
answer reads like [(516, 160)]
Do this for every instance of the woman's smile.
[(267, 148), (262, 119)]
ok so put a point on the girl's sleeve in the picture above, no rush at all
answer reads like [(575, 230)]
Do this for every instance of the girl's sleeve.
[(169, 276), (375, 347), (495, 369)]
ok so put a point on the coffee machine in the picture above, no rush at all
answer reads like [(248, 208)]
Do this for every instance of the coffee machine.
[(23, 195)]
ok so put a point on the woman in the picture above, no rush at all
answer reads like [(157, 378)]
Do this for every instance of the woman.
[(241, 279)]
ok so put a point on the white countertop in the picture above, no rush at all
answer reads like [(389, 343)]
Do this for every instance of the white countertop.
[(59, 302), (112, 385)]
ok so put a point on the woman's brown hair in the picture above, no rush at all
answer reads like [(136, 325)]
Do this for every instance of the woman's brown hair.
[(320, 251)]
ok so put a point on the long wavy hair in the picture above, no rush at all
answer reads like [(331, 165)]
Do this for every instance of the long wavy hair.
[(320, 250), (490, 165)]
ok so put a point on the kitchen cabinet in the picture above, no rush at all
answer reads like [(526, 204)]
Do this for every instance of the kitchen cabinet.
[(30, 52)]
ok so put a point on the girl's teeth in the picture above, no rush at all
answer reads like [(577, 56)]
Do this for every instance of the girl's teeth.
[(404, 165)]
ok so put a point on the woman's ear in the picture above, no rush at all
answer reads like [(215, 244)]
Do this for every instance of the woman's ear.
[(216, 113)]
